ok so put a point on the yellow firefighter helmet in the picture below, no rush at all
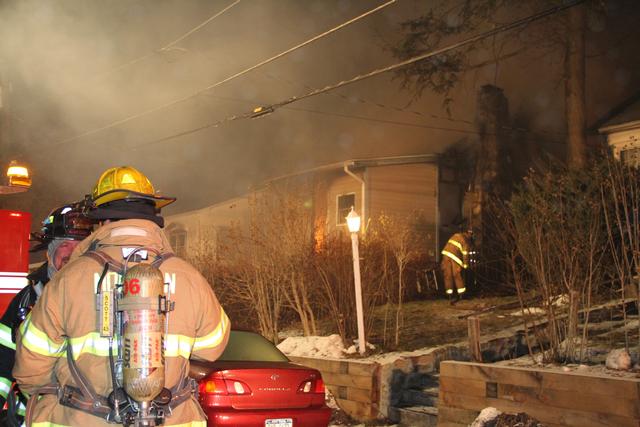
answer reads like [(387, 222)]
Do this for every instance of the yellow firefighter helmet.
[(126, 182)]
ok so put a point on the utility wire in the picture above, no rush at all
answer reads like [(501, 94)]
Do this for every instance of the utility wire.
[(166, 48), (378, 104), (169, 45), (188, 33), (260, 111), (414, 111), (227, 79), (325, 113), (431, 54)]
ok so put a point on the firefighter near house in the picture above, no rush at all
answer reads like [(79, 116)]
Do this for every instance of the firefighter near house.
[(457, 256)]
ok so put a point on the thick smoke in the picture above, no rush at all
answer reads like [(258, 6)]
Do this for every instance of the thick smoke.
[(74, 65)]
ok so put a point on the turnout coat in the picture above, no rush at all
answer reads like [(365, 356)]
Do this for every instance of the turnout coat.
[(66, 315)]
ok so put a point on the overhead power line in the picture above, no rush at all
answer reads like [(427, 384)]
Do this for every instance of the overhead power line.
[(260, 111), (168, 45), (433, 53), (324, 113), (227, 79), (165, 48)]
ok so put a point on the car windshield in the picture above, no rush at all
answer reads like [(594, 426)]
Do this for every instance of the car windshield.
[(251, 347)]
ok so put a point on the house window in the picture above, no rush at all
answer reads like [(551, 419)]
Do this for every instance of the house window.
[(223, 242), (630, 157), (178, 241), (345, 203)]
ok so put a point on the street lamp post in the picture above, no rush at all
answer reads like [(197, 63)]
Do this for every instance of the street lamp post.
[(353, 223)]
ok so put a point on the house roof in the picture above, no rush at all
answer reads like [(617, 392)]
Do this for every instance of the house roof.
[(363, 163), (624, 116)]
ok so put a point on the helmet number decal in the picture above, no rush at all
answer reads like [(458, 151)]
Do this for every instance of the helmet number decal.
[(132, 287)]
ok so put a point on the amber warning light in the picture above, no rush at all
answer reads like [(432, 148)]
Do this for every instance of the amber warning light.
[(18, 175), (18, 179)]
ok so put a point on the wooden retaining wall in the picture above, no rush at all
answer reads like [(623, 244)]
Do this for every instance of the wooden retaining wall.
[(554, 398), (354, 384)]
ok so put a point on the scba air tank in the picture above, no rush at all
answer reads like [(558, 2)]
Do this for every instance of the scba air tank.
[(142, 336)]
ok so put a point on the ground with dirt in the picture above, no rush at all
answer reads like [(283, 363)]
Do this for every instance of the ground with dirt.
[(435, 322), (430, 323)]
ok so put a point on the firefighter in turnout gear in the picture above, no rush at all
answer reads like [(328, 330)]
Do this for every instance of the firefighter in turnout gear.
[(62, 230), (455, 259), (63, 355)]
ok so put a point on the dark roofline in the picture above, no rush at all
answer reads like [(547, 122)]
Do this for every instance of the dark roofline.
[(362, 163), (601, 125)]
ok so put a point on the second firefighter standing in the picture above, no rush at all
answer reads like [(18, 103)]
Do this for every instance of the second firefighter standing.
[(456, 257), (62, 231)]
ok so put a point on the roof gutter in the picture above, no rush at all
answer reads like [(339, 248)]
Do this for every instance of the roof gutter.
[(362, 184), (620, 127)]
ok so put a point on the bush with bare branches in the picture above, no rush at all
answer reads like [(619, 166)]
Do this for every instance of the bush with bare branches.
[(555, 239)]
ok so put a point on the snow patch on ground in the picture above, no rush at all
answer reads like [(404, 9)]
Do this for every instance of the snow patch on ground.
[(486, 416), (558, 301), (528, 311), (314, 346), (591, 369), (330, 400), (619, 359)]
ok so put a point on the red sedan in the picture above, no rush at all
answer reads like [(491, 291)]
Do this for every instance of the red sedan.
[(254, 384)]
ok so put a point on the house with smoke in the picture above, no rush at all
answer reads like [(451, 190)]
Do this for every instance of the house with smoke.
[(622, 130), (420, 185)]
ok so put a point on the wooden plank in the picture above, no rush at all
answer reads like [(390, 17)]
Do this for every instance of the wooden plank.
[(473, 330), (627, 388), (584, 401), (348, 380), (463, 386), (544, 414), (337, 366), (352, 393), (456, 415), (358, 410), (363, 369), (450, 424), (360, 395)]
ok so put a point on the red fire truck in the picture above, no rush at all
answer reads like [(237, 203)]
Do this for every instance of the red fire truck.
[(14, 254)]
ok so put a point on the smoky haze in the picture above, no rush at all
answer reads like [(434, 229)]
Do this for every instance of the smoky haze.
[(71, 66)]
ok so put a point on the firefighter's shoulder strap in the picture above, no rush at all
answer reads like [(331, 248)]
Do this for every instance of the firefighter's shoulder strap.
[(105, 259)]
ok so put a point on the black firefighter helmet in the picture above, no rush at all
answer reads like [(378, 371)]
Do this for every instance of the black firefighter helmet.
[(66, 222)]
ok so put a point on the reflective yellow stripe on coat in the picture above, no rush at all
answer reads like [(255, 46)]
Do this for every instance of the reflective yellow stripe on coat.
[(92, 343), (38, 342), (5, 386), (458, 245), (181, 345), (454, 258), (5, 337), (47, 424), (215, 338)]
